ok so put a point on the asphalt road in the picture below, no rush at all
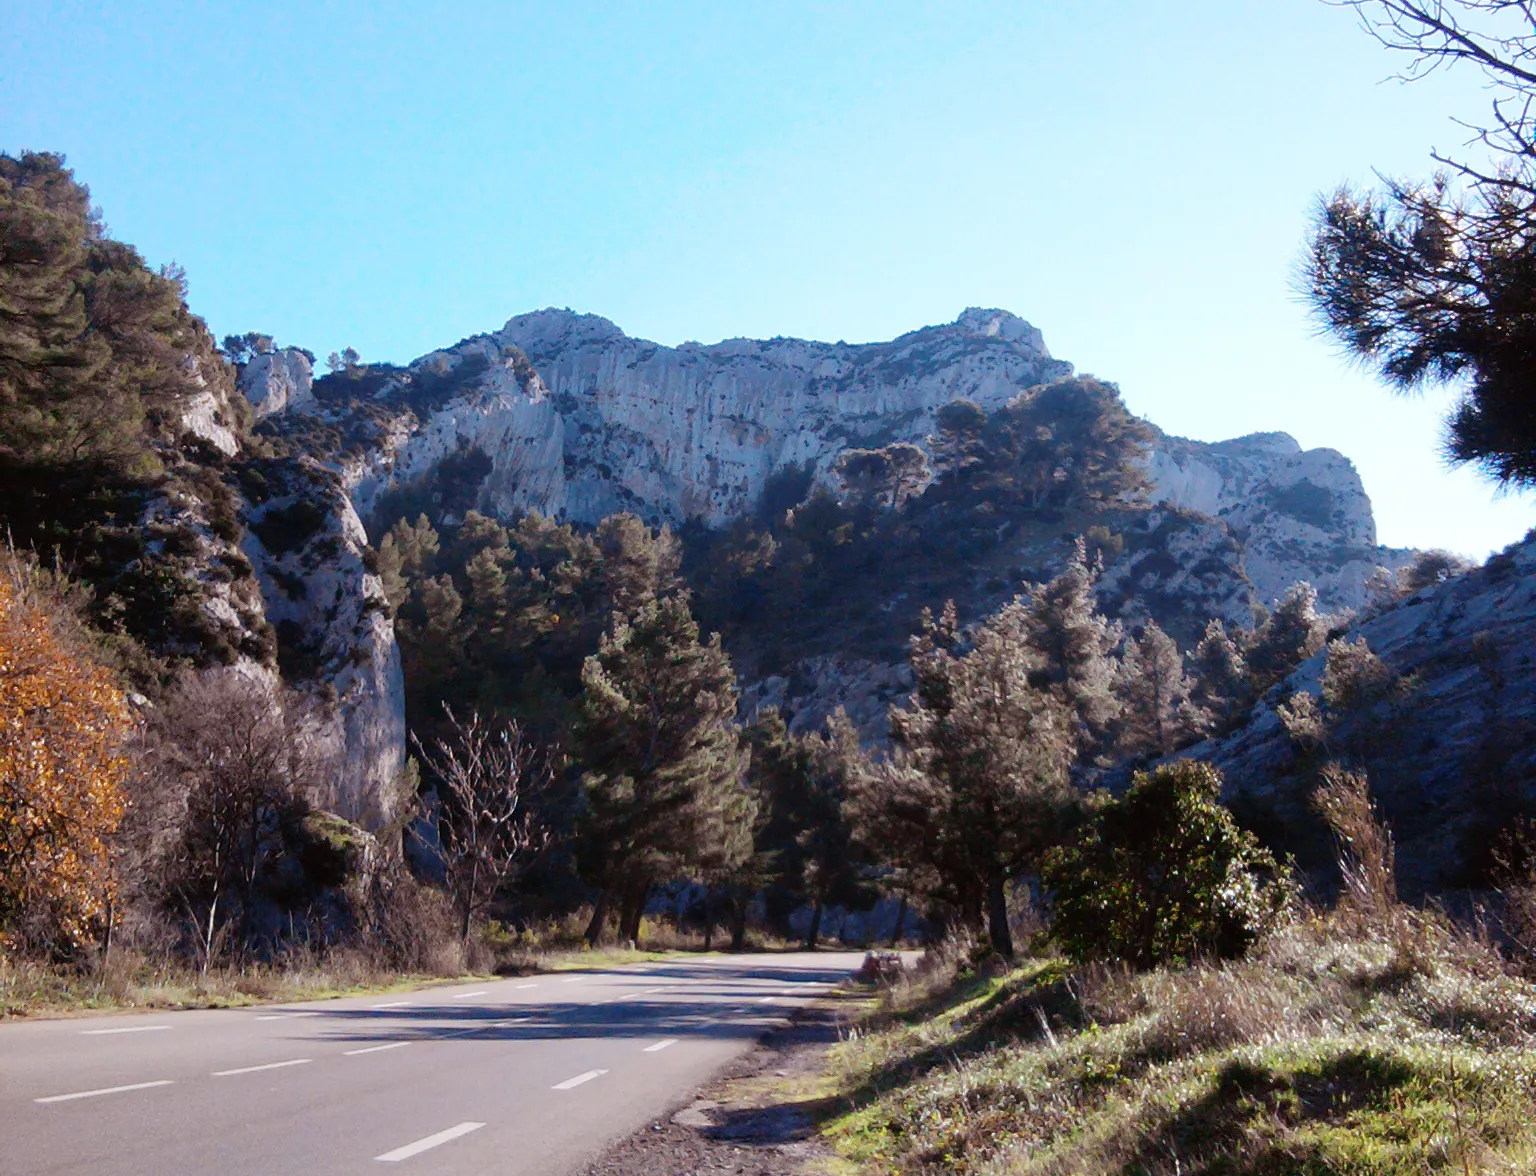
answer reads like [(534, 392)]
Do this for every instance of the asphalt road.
[(530, 1075)]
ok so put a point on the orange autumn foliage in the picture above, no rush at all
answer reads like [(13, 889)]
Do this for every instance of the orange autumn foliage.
[(62, 773)]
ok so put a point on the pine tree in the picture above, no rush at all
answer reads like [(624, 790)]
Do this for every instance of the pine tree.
[(804, 782), (883, 478), (1288, 636), (93, 343), (1076, 644), (1157, 714), (662, 790), (979, 786), (1221, 687)]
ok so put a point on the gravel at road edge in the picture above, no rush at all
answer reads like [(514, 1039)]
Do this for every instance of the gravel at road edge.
[(733, 1124)]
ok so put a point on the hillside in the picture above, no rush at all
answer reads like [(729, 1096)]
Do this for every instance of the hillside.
[(564, 415)]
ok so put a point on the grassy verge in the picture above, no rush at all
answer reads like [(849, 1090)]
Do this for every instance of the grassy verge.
[(135, 981), (141, 980), (1334, 1049)]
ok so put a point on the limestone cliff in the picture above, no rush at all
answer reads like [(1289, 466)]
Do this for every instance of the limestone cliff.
[(579, 420), (1300, 514), (564, 414)]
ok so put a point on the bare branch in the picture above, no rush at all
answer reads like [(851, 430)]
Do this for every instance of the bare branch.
[(488, 780)]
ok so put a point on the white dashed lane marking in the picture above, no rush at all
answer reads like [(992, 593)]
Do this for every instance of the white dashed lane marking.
[(57, 1098), (394, 1004), (427, 1144), (268, 1066), (467, 995), (572, 1083), (352, 1053), (661, 1045), (129, 1029)]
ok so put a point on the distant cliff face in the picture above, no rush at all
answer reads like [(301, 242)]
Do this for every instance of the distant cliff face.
[(695, 431), (579, 420), (564, 414), (1299, 514)]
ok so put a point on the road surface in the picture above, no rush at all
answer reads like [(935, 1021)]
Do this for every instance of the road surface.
[(534, 1075)]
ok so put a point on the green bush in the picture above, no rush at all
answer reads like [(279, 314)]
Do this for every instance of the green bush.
[(1164, 875)]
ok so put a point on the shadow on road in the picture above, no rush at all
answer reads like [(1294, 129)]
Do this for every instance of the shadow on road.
[(714, 1006)]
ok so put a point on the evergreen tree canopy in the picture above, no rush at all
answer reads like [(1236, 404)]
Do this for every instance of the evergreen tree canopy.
[(1288, 636), (501, 618), (1076, 644), (885, 478), (979, 786), (1157, 713), (1436, 281), (93, 344), (1068, 444), (1163, 875), (662, 789), (803, 782)]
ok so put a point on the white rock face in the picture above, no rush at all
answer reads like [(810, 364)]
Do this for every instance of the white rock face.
[(335, 610), (695, 431), (275, 380), (611, 423), (1300, 514), (205, 413), (506, 414), (576, 420)]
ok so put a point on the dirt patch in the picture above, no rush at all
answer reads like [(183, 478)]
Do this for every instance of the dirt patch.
[(757, 1117)]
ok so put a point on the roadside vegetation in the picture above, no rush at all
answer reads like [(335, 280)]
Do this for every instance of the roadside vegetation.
[(1125, 974), (1369, 1037)]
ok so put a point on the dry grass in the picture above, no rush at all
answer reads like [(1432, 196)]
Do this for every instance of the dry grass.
[(1318, 1054), (134, 980), (1372, 1038), (417, 947)]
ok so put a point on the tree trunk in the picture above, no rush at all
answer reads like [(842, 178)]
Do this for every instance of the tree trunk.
[(901, 918), (738, 923), (633, 909), (815, 932), (468, 902), (106, 947), (997, 910), (709, 923), (599, 917)]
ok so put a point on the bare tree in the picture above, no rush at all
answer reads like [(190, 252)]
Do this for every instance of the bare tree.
[(226, 769), (1497, 37), (487, 830)]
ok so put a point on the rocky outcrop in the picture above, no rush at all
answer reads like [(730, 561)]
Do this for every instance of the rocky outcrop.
[(695, 431), (579, 420), (608, 423), (565, 414), (209, 412), (1450, 757), (335, 636), (276, 380), (1299, 514), (864, 690), (504, 413)]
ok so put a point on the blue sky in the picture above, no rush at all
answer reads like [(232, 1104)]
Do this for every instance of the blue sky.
[(1134, 179)]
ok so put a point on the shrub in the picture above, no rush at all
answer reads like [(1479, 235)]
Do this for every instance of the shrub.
[(62, 725), (1164, 874), (1354, 677), (290, 528)]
